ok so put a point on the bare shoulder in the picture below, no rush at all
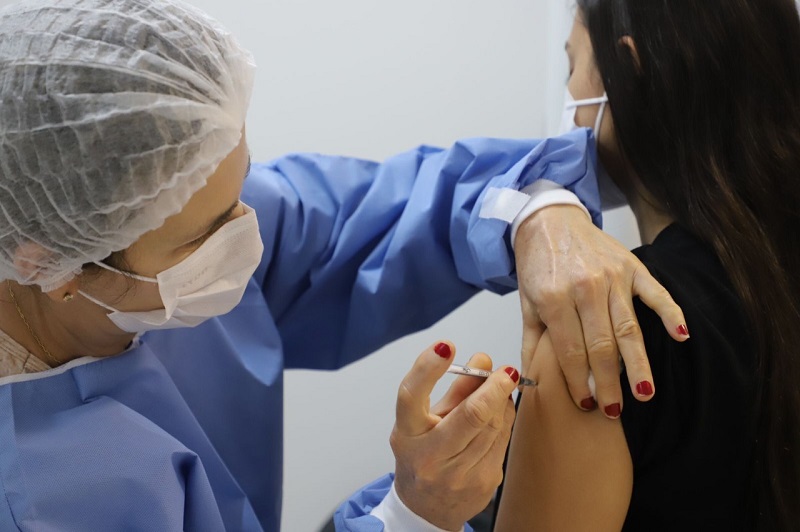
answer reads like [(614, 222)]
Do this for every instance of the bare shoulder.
[(567, 469)]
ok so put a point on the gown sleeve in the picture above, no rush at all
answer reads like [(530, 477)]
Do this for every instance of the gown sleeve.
[(359, 253), (357, 514)]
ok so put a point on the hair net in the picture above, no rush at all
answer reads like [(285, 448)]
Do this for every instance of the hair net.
[(112, 114)]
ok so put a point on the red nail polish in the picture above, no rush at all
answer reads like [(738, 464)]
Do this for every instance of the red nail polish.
[(588, 404), (513, 373), (683, 330), (613, 410), (644, 388), (442, 349)]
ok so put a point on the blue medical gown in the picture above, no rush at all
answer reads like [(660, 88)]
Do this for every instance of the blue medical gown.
[(184, 431)]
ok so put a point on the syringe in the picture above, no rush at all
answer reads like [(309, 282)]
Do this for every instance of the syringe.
[(482, 373)]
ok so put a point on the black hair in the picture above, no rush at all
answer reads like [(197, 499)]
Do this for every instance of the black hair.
[(706, 107)]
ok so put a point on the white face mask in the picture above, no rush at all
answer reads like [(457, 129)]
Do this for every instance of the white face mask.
[(610, 194), (209, 282)]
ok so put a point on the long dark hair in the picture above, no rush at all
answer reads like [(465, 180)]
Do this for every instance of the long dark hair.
[(707, 114)]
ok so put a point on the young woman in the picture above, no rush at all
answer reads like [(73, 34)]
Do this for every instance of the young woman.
[(702, 132)]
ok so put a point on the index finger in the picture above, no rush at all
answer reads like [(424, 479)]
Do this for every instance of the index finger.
[(413, 415), (628, 332), (463, 386), (484, 409)]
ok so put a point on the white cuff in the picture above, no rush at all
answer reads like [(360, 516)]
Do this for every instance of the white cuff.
[(543, 193), (397, 517)]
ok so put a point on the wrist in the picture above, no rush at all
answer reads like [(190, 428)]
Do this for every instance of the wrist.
[(547, 217), (422, 507), (544, 195)]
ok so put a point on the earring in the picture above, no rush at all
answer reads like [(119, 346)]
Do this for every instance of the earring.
[(68, 298)]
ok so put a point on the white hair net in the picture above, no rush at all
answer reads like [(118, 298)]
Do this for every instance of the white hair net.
[(112, 114)]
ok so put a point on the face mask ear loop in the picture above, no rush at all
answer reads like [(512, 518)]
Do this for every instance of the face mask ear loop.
[(586, 101), (97, 301), (126, 274), (599, 121)]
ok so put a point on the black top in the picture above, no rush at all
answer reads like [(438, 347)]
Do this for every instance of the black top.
[(693, 444)]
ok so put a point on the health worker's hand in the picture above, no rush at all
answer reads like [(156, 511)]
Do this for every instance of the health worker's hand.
[(449, 458), (579, 283)]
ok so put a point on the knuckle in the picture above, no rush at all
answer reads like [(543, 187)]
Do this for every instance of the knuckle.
[(662, 293), (617, 269), (609, 389), (477, 412), (394, 441), (601, 347), (573, 357), (589, 281), (549, 295), (638, 366), (627, 328)]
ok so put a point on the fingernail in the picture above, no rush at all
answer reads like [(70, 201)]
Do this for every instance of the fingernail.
[(442, 349), (513, 373), (683, 330), (588, 403), (613, 410), (644, 388)]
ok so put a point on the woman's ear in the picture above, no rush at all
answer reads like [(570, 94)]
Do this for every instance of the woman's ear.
[(627, 42), (28, 258)]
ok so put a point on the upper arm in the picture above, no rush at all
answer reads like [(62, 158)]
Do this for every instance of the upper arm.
[(567, 469)]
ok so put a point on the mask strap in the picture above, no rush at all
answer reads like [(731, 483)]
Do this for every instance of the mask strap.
[(126, 274), (599, 119), (97, 301), (587, 101)]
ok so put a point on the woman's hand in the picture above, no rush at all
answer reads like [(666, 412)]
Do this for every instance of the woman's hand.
[(449, 458), (579, 283)]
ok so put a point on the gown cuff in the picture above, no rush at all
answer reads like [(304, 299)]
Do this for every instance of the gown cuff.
[(396, 516), (543, 193)]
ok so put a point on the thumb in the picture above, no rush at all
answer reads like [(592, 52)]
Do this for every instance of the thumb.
[(413, 397)]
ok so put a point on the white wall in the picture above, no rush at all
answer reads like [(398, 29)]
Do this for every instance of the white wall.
[(371, 78)]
